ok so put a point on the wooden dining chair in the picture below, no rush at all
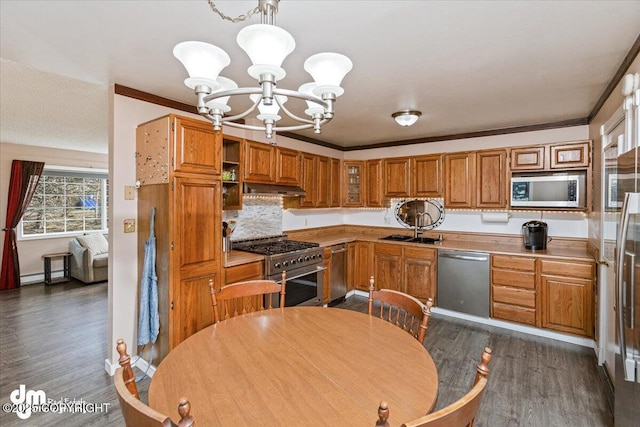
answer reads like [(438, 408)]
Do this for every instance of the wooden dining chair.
[(461, 413), (401, 309), (135, 412), (245, 297)]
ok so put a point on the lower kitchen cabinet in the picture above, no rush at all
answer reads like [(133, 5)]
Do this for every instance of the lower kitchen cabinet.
[(420, 272), (192, 309), (360, 265), (567, 296), (240, 273), (547, 293), (387, 259), (514, 289), (326, 283)]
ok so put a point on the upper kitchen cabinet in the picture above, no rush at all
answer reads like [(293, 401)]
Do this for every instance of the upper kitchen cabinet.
[(375, 181), (259, 162), (572, 155), (309, 184), (565, 156), (354, 183), (426, 176), (460, 170), (335, 200), (176, 144), (397, 177), (323, 181), (288, 166), (232, 172), (491, 179)]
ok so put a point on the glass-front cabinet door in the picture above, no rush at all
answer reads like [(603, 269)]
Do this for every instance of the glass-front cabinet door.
[(354, 184)]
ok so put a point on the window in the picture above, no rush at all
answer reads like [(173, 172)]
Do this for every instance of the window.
[(68, 201)]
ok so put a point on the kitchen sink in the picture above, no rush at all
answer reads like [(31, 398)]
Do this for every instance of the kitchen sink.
[(397, 238), (409, 239)]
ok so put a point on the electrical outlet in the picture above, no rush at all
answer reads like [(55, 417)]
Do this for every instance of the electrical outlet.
[(129, 192), (306, 222)]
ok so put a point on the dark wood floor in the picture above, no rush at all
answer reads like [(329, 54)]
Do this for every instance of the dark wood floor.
[(54, 339)]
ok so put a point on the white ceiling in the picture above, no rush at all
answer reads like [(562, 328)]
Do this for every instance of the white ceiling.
[(467, 65)]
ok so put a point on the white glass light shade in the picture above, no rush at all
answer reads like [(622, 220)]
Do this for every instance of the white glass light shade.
[(221, 103), (328, 69), (203, 62), (314, 107), (406, 118), (267, 46), (268, 111)]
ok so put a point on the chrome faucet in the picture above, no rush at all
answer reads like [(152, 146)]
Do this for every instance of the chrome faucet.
[(419, 222)]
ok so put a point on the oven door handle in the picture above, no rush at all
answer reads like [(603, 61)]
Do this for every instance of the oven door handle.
[(318, 269)]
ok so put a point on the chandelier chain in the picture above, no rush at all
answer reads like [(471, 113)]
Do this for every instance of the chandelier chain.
[(237, 19)]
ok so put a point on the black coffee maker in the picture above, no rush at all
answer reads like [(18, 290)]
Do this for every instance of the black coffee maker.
[(534, 235)]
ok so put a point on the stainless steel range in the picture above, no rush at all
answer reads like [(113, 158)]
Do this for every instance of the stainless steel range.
[(301, 260)]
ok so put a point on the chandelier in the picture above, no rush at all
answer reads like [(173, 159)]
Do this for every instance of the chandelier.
[(267, 46)]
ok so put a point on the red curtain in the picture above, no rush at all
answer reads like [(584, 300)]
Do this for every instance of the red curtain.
[(24, 181)]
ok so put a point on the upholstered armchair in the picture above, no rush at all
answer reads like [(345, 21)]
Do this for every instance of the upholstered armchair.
[(89, 260)]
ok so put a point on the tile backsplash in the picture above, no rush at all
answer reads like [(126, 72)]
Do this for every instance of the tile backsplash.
[(260, 216)]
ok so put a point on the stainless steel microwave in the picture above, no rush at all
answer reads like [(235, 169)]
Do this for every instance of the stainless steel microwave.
[(561, 190)]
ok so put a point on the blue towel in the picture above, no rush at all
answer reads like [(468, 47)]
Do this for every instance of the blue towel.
[(149, 320)]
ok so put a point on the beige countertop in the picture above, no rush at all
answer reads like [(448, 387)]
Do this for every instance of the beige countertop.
[(471, 242)]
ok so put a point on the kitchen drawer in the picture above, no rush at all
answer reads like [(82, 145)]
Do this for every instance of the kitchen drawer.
[(519, 279), (388, 249), (567, 269), (513, 262), (514, 313), (239, 273), (514, 296)]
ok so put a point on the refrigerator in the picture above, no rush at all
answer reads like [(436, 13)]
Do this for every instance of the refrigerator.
[(627, 268)]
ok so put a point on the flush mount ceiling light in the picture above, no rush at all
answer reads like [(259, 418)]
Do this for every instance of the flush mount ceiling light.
[(267, 46), (406, 117)]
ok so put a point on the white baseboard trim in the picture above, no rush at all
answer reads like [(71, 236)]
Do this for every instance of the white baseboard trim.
[(584, 342), (144, 366), (110, 367), (30, 279)]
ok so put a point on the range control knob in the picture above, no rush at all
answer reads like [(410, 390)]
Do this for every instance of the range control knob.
[(277, 265), (300, 259), (285, 264), (320, 256), (293, 261), (306, 258)]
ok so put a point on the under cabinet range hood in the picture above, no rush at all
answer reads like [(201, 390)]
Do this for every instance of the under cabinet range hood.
[(275, 189)]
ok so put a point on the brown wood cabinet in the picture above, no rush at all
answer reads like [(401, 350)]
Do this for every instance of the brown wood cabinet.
[(375, 181), (336, 183), (427, 176), (387, 260), (491, 179), (460, 172), (549, 293), (259, 162), (232, 172), (288, 166), (354, 184), (309, 164), (240, 273), (564, 156), (188, 205), (567, 296), (420, 272), (326, 283), (572, 155), (359, 265), (322, 182), (514, 289), (397, 177)]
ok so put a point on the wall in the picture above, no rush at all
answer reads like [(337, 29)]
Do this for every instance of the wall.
[(30, 251)]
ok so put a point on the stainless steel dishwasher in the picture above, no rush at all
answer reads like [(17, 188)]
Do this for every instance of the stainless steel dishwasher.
[(463, 281), (338, 281)]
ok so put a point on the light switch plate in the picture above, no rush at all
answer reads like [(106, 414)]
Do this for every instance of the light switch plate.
[(129, 192)]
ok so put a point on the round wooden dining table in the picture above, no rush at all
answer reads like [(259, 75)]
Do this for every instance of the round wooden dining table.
[(297, 366)]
